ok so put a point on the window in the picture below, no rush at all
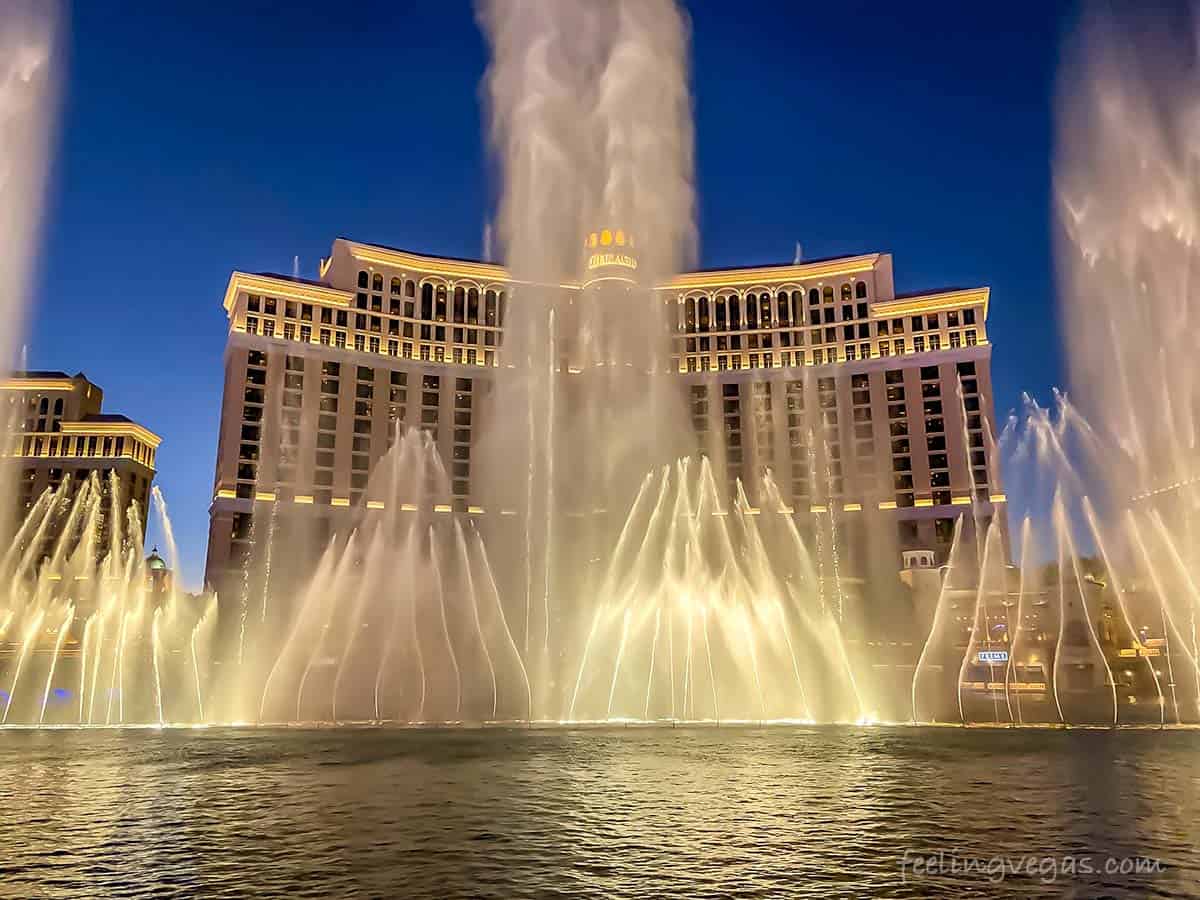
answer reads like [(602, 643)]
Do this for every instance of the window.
[(860, 290)]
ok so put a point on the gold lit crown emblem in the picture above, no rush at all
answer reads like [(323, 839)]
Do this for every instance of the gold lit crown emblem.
[(607, 238)]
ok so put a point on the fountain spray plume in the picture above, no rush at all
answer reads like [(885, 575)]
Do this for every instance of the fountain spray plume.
[(1125, 179), (590, 124), (1126, 174), (28, 87)]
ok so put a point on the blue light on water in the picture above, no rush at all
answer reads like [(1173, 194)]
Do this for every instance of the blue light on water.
[(61, 694)]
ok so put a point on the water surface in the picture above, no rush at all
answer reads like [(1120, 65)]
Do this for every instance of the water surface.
[(655, 812)]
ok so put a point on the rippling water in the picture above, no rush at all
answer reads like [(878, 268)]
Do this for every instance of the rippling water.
[(799, 812)]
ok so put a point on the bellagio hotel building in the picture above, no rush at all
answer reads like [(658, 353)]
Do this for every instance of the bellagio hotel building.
[(862, 402)]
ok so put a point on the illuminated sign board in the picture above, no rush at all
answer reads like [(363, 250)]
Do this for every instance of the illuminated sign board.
[(603, 260), (993, 656)]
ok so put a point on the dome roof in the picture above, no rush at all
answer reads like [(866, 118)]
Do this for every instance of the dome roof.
[(154, 562)]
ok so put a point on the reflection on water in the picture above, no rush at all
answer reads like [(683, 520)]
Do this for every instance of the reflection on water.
[(810, 812)]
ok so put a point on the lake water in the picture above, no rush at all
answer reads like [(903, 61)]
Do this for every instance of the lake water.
[(639, 812)]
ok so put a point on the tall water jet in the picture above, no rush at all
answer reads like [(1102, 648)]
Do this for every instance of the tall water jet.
[(590, 122), (28, 83), (1126, 185)]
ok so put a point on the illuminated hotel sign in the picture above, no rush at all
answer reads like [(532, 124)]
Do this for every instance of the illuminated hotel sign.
[(993, 656), (604, 260)]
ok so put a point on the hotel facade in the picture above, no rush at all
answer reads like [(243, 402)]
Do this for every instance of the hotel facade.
[(862, 403)]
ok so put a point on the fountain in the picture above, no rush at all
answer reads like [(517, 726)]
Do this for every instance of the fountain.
[(622, 579), (89, 638)]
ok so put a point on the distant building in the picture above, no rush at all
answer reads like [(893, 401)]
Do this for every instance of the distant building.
[(863, 403), (56, 432)]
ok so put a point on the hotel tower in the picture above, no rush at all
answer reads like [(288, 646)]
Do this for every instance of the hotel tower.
[(863, 404)]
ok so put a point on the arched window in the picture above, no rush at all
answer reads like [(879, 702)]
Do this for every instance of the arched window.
[(764, 315), (751, 311), (798, 306), (735, 312), (783, 309), (489, 308), (439, 306), (427, 301), (689, 315), (814, 296), (860, 290), (396, 287), (377, 282), (827, 293), (501, 316), (846, 290), (704, 314), (719, 312), (473, 306), (362, 280), (460, 300), (58, 406), (410, 289)]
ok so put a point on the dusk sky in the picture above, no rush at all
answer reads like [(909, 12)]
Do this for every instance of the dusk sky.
[(197, 138)]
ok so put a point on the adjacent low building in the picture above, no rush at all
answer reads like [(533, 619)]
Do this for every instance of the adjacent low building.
[(57, 432)]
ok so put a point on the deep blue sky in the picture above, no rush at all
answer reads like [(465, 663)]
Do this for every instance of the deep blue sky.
[(199, 137)]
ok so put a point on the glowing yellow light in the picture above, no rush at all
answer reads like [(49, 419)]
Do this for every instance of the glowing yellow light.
[(924, 502), (268, 496), (960, 501), (340, 501), (606, 238), (998, 498), (852, 507), (475, 510), (113, 429), (282, 287), (408, 507), (302, 499), (932, 303), (887, 504), (818, 508), (37, 384), (773, 274), (620, 238), (375, 504), (226, 494), (442, 508)]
